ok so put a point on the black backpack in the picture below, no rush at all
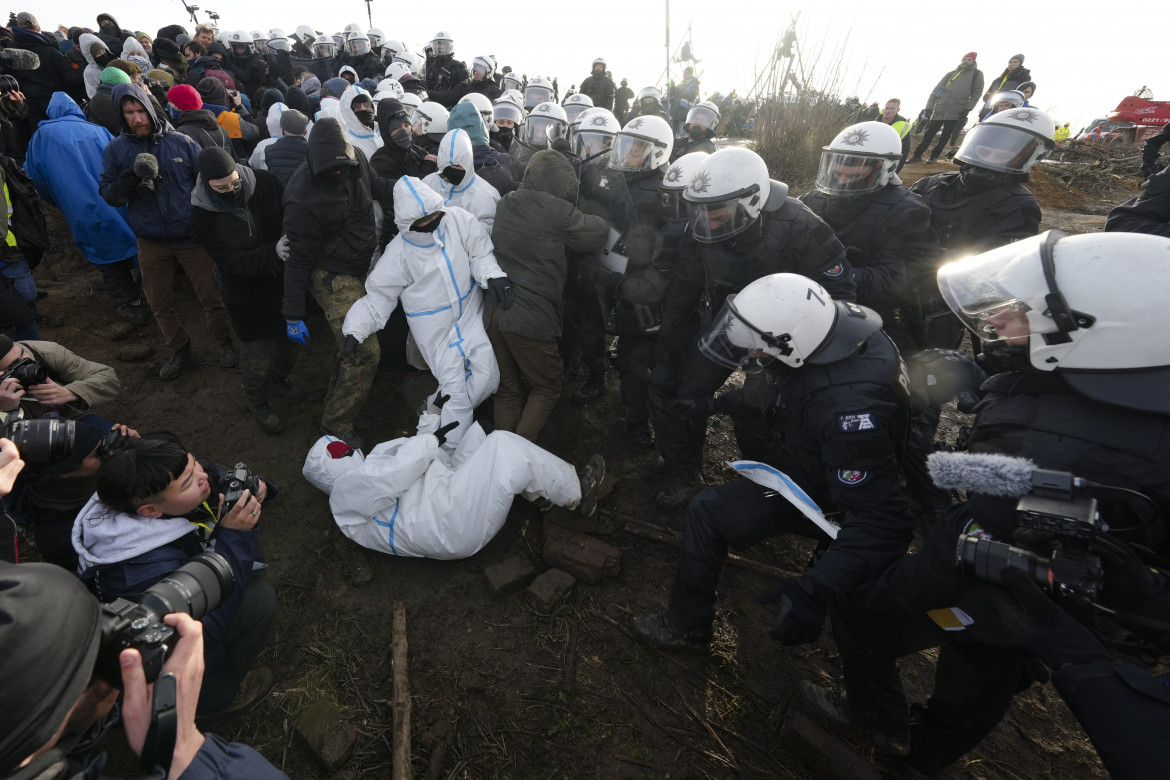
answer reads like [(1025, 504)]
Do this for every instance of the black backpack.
[(27, 221)]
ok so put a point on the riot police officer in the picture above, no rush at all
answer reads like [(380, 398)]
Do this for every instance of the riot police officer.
[(841, 387), (743, 226), (1090, 396), (883, 226), (700, 124)]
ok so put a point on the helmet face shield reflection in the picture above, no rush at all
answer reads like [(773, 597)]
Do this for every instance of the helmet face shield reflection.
[(731, 342), (1000, 148), (631, 153), (443, 47), (541, 130), (534, 96), (711, 222), (997, 293), (851, 174), (507, 111), (589, 143), (574, 110)]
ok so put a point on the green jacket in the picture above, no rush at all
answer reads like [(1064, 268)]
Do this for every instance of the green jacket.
[(533, 228)]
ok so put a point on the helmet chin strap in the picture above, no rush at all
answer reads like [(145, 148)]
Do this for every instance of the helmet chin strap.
[(1066, 319)]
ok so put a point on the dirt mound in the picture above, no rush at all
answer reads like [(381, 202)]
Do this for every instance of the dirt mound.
[(1052, 193)]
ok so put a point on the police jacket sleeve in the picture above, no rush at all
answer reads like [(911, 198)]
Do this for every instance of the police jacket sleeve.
[(1154, 145), (903, 244), (679, 306), (816, 252), (220, 760), (857, 443), (1149, 212), (648, 289)]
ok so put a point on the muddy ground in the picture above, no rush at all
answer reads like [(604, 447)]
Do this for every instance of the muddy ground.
[(498, 689)]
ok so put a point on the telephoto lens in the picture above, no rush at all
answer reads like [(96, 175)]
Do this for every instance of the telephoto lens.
[(42, 441), (197, 587)]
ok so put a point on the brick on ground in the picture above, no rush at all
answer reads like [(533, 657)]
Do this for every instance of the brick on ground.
[(509, 575), (585, 557), (329, 737), (550, 588)]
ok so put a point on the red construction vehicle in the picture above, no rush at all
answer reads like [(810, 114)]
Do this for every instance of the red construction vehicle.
[(1136, 118)]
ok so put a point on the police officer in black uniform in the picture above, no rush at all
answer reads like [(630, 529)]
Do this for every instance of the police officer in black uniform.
[(1148, 212), (843, 410), (699, 126), (1090, 396), (884, 227), (444, 72), (745, 227)]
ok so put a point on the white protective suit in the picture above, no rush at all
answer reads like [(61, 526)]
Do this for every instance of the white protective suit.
[(438, 277), (368, 139), (92, 75), (473, 193), (411, 497), (256, 161)]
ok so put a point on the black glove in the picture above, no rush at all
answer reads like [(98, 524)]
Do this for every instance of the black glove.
[(802, 612), (1040, 625), (350, 348), (124, 185), (1148, 171), (502, 289), (687, 408), (441, 434), (440, 399), (946, 374)]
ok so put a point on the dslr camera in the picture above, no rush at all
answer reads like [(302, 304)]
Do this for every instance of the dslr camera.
[(28, 371), (44, 440), (196, 588), (235, 481)]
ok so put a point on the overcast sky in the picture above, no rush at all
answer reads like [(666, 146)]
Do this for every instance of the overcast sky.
[(1083, 56)]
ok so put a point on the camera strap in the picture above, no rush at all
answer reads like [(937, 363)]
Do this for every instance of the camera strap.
[(159, 747)]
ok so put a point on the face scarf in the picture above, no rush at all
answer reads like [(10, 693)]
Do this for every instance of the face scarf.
[(454, 175), (975, 179), (504, 135), (333, 177), (401, 136), (428, 228)]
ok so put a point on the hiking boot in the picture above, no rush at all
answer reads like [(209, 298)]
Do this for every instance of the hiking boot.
[(658, 630), (286, 389), (176, 363), (915, 159), (256, 686), (831, 706), (131, 312), (590, 476), (590, 391), (641, 432), (268, 420), (349, 437), (678, 490), (228, 357)]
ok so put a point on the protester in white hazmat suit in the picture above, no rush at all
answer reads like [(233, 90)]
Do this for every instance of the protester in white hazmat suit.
[(359, 134), (456, 180), (412, 497), (436, 265), (256, 161)]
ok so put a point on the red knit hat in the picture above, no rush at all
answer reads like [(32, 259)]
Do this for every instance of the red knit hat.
[(972, 55), (184, 97)]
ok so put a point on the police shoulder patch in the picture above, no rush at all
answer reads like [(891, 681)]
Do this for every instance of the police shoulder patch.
[(851, 476), (835, 271), (852, 422)]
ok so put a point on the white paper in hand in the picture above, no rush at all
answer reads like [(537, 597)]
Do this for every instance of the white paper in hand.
[(775, 479)]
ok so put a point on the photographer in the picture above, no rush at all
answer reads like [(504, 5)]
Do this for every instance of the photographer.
[(156, 506), (55, 712), (1090, 395), (42, 377)]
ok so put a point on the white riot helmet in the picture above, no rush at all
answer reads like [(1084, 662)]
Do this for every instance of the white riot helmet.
[(397, 71), (644, 144), (539, 90), (1090, 306), (222, 36), (442, 44), (483, 106), (396, 51), (546, 123), (649, 94), (429, 119), (305, 35), (390, 88), (727, 193), (259, 41), (1013, 97), (410, 102), (277, 40), (376, 37), (325, 46), (1011, 141), (483, 66), (599, 61), (575, 104), (676, 179), (357, 44), (861, 159), (241, 39), (786, 317), (704, 115), (512, 82), (349, 29), (593, 132), (510, 107)]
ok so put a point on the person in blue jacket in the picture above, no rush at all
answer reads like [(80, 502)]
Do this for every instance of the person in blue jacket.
[(64, 160)]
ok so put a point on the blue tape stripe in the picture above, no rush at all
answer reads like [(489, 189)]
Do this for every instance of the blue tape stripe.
[(414, 192), (451, 270), (390, 528), (441, 308)]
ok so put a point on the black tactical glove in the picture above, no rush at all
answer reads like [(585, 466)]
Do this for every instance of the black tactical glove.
[(502, 290), (440, 399), (802, 612), (350, 348), (441, 434)]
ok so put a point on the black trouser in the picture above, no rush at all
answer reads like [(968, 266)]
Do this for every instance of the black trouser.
[(946, 125), (686, 376), (974, 681), (735, 515), (635, 356), (227, 663), (264, 363), (120, 284)]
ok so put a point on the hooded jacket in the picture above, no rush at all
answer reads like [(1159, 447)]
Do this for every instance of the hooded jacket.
[(533, 228), (473, 194), (240, 234), (63, 159), (272, 125), (200, 126), (495, 167), (365, 138), (40, 84), (165, 218), (329, 226), (93, 71), (393, 162)]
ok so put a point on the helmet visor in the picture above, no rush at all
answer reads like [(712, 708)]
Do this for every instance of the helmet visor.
[(574, 110), (375, 40), (419, 122), (672, 206), (443, 47), (261, 44), (513, 82), (541, 130), (1000, 148), (841, 173), (534, 96), (631, 153), (480, 70), (358, 47), (731, 342), (507, 111), (322, 50), (993, 293), (715, 221), (703, 117), (279, 44), (588, 143)]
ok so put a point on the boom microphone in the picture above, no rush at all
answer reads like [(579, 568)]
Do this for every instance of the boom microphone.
[(996, 475), (19, 59)]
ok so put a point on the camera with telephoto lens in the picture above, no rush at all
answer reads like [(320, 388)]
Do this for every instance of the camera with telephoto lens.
[(28, 371), (42, 441), (196, 588), (235, 482)]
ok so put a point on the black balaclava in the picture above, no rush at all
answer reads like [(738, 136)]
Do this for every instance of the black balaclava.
[(215, 163), (454, 175), (505, 135), (363, 109), (391, 117), (430, 228), (976, 179)]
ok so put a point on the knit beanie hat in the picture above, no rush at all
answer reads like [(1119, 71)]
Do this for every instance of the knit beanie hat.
[(184, 97), (129, 67), (114, 76), (972, 55), (215, 163), (1019, 57), (213, 91), (293, 122), (162, 76)]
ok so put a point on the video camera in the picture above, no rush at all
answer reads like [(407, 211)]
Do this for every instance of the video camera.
[(196, 588)]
